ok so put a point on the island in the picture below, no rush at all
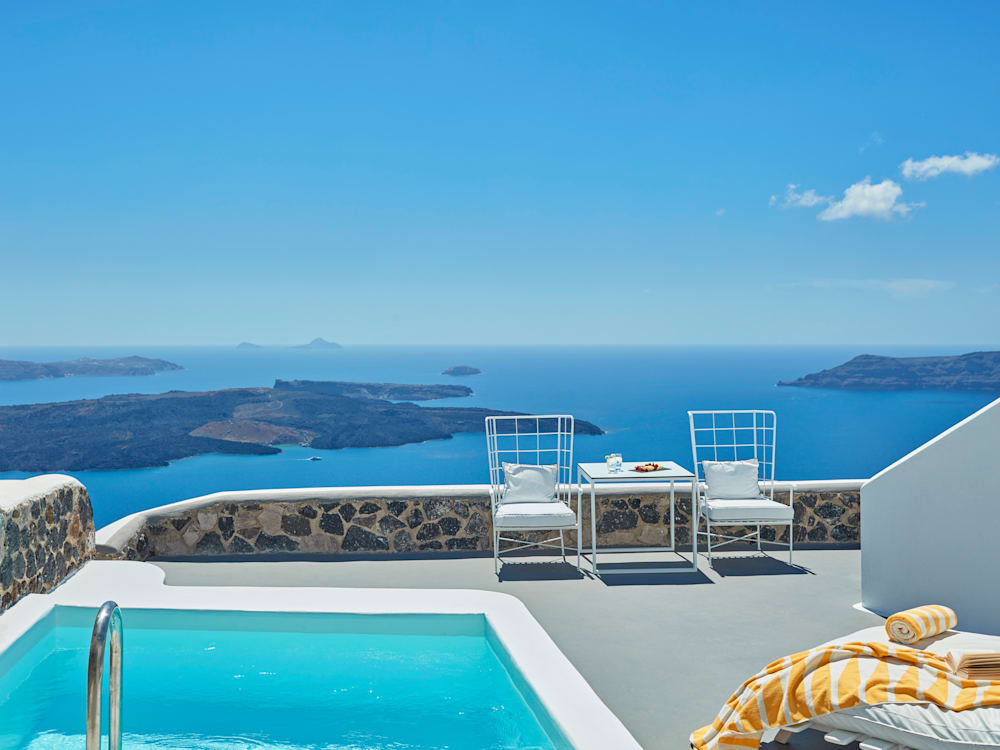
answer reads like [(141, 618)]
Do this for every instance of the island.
[(976, 371), (11, 369), (387, 391), (318, 343), (144, 430), (248, 345), (461, 371)]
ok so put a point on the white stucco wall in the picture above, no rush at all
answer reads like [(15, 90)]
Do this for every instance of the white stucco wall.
[(930, 526)]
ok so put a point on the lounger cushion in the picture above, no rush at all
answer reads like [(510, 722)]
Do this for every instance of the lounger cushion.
[(528, 483), (731, 480), (535, 516), (921, 726), (757, 509)]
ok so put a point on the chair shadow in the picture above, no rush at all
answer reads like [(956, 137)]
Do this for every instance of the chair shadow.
[(755, 564), (540, 571), (637, 574)]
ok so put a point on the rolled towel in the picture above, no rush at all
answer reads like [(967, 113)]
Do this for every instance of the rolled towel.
[(912, 625)]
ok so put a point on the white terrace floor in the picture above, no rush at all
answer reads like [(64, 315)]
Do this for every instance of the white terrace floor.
[(663, 651)]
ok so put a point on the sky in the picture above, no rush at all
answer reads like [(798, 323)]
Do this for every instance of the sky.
[(499, 173)]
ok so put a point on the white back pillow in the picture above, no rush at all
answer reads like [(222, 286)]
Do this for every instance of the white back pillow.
[(732, 480), (528, 483)]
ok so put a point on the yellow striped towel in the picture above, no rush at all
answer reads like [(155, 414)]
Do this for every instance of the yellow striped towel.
[(912, 625), (831, 678)]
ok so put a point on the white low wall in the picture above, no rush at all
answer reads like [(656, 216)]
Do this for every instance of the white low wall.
[(930, 525), (825, 509)]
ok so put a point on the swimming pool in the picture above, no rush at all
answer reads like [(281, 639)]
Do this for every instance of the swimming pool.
[(273, 667), (221, 680)]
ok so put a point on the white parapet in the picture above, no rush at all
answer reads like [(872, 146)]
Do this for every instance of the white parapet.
[(118, 533), (929, 526)]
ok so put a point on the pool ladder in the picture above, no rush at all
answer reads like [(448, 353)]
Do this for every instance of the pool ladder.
[(108, 616)]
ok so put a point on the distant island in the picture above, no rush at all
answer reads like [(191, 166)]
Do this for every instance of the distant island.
[(140, 430), (977, 371), (318, 343), (461, 370), (11, 369)]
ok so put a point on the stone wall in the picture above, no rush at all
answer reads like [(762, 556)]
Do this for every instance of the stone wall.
[(46, 532), (415, 520)]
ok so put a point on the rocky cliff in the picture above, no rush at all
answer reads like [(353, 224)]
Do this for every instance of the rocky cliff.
[(977, 371), (11, 369), (140, 430)]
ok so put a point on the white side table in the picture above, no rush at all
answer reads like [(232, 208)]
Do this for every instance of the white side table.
[(597, 473)]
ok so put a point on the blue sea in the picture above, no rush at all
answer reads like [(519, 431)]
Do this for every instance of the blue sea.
[(639, 395)]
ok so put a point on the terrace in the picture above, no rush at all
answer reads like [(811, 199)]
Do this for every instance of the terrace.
[(677, 645), (662, 651)]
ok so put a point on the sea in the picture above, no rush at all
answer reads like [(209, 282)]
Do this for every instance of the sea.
[(638, 395)]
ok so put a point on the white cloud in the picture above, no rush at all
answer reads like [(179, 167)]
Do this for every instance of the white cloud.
[(795, 199), (898, 288), (970, 164), (875, 139), (880, 201), (720, 212)]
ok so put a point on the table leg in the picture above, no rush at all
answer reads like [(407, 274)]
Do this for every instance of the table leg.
[(593, 527), (579, 519)]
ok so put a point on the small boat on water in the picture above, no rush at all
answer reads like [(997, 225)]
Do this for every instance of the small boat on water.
[(314, 458)]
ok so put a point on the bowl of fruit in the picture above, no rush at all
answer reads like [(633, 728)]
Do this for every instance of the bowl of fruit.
[(649, 467)]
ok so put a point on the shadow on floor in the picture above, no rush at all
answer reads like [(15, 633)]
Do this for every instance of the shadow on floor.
[(539, 571), (757, 565), (807, 740), (649, 573)]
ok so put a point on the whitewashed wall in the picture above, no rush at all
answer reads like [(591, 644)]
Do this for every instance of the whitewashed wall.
[(930, 526)]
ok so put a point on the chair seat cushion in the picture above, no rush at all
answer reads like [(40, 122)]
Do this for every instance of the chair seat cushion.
[(756, 509), (535, 516)]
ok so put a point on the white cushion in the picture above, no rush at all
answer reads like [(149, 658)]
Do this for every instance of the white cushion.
[(756, 509), (528, 483), (731, 480), (555, 515), (920, 726)]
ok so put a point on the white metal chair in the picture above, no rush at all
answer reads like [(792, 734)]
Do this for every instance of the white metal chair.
[(540, 440), (738, 436)]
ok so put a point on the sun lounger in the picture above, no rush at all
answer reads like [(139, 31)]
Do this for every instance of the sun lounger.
[(911, 726)]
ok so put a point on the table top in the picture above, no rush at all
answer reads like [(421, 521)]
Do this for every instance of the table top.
[(598, 472)]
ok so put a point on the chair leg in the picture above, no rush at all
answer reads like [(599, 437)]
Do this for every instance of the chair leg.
[(708, 536), (562, 545), (758, 538), (791, 541), (496, 553)]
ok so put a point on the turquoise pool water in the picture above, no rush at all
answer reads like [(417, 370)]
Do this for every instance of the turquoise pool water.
[(228, 680)]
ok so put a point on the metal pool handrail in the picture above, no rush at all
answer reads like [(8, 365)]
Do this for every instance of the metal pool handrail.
[(107, 615)]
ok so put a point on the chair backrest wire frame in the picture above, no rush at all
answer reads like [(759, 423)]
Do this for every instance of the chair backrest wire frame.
[(536, 439), (736, 435)]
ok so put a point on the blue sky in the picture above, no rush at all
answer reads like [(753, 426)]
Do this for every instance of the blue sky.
[(517, 172)]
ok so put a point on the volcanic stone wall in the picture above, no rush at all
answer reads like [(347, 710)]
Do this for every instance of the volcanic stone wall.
[(46, 532), (377, 524)]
